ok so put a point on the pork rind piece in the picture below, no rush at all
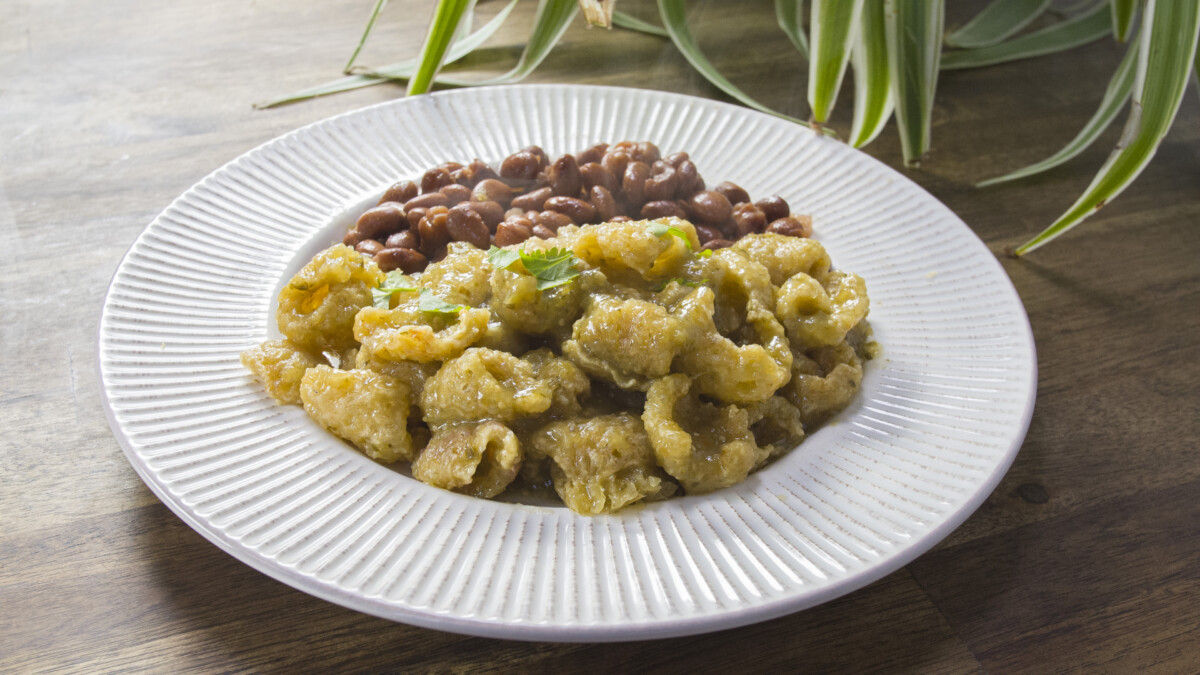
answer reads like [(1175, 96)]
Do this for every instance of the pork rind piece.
[(517, 302), (366, 408), (411, 373), (632, 247), (408, 334), (785, 257), (776, 424), (317, 307), (477, 459), (461, 278), (741, 374), (824, 382), (703, 446), (600, 464), (742, 286), (484, 384), (627, 342), (567, 382), (279, 365), (820, 313)]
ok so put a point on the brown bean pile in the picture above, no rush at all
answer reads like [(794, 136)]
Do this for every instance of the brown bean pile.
[(531, 196)]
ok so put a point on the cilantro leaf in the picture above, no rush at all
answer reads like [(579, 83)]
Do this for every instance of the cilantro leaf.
[(660, 230), (706, 253), (551, 268), (395, 283), (428, 302), (502, 258)]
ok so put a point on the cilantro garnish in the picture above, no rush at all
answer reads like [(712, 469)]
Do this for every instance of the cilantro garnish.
[(553, 267), (660, 230), (395, 283), (706, 253), (428, 302), (502, 258)]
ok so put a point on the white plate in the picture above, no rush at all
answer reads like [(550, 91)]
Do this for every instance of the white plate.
[(941, 415)]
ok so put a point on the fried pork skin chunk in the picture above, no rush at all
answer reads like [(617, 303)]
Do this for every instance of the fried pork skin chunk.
[(317, 307), (279, 365), (476, 458), (600, 464), (368, 409)]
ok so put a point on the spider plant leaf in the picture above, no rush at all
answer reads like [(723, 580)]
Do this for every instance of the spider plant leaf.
[(551, 21), (396, 71), (597, 12), (997, 22), (914, 46), (1122, 18), (1073, 32), (873, 102), (629, 22), (1115, 97), (832, 29), (379, 5), (446, 17), (674, 18), (790, 16), (1167, 51)]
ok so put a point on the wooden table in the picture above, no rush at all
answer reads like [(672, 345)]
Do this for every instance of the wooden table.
[(1087, 556)]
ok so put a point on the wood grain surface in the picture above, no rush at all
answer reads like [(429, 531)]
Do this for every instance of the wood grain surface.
[(1086, 557)]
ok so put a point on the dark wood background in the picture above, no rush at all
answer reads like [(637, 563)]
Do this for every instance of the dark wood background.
[(1086, 557)]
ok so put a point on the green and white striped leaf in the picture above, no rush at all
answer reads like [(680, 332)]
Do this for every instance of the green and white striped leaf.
[(442, 29), (873, 102), (379, 5), (597, 12), (1079, 30), (674, 18), (789, 14), (1167, 53), (914, 45), (832, 29), (551, 21), (1115, 97), (997, 22), (1122, 18), (397, 71), (629, 22)]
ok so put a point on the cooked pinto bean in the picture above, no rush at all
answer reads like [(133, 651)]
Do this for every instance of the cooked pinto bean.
[(748, 219), (368, 247), (426, 201), (594, 174), (434, 180), (732, 192), (592, 154), (492, 190), (533, 200), (662, 209), (792, 226), (382, 220), (406, 260), (710, 207), (552, 220), (605, 203), (774, 208), (405, 239), (564, 177), (491, 212), (465, 224), (512, 232), (456, 193), (576, 209), (400, 192)]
